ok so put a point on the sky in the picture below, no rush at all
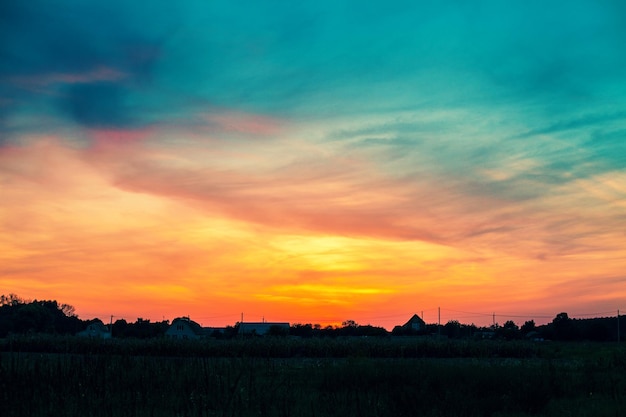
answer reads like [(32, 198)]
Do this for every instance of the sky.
[(315, 162)]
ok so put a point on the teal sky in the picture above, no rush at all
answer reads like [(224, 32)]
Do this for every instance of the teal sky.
[(495, 128)]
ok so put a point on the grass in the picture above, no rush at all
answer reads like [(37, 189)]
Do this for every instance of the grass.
[(351, 377), (387, 347)]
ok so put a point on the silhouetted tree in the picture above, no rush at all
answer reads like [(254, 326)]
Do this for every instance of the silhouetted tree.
[(68, 310), (563, 327), (301, 330), (141, 329), (277, 331), (351, 328), (452, 329), (18, 316), (508, 331), (10, 300), (120, 328), (371, 331), (527, 327), (597, 330)]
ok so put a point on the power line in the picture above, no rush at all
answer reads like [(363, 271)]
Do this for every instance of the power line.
[(594, 314), (388, 316), (468, 312), (524, 316), (453, 314)]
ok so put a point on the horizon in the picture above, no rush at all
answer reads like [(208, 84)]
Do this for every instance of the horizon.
[(442, 314), (478, 319), (314, 163)]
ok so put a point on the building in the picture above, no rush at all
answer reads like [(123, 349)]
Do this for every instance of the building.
[(97, 329), (263, 328), (415, 323), (185, 328)]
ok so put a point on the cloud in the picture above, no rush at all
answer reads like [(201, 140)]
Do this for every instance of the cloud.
[(97, 105), (101, 74), (240, 122), (88, 61), (357, 195), (580, 123)]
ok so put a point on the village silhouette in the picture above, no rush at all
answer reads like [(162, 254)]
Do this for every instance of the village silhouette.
[(54, 363), (19, 316)]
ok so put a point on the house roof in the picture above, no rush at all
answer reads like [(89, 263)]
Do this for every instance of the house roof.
[(414, 319), (195, 327), (95, 327), (96, 324)]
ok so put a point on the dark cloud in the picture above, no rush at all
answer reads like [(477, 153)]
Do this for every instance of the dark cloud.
[(305, 59), (97, 105), (50, 51)]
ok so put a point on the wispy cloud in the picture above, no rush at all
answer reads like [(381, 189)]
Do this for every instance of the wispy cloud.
[(37, 82)]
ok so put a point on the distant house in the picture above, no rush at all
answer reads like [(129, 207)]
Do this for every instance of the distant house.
[(96, 329), (263, 328), (185, 328), (415, 324), (534, 336), (487, 334)]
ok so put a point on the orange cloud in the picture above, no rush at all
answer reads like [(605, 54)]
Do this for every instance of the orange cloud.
[(244, 123), (140, 228)]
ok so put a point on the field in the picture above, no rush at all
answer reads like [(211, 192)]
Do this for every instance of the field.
[(45, 376)]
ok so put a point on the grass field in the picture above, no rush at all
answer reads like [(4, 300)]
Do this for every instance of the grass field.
[(351, 377)]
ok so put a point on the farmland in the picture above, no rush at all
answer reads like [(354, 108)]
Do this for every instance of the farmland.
[(53, 375)]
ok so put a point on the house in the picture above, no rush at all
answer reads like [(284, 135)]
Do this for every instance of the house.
[(485, 335), (263, 328), (185, 328), (96, 329), (415, 323)]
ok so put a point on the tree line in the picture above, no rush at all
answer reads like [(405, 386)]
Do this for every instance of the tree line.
[(19, 316)]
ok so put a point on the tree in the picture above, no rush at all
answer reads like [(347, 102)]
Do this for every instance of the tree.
[(10, 300), (276, 330), (301, 330), (68, 310), (563, 327), (527, 327), (560, 319), (120, 328), (349, 323), (453, 329), (369, 330), (508, 331), (598, 330)]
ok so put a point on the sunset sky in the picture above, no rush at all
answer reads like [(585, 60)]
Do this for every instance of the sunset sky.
[(314, 162)]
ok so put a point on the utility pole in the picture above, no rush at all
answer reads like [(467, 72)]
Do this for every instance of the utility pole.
[(618, 325), (111, 326), (494, 320)]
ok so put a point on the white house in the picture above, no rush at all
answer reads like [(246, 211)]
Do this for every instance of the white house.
[(185, 328), (97, 329)]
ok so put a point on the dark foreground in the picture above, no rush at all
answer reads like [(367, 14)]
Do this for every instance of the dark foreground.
[(448, 379)]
